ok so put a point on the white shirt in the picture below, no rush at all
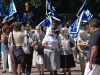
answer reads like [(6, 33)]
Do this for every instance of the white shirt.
[(64, 41), (51, 41)]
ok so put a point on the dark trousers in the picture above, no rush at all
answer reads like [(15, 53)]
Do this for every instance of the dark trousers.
[(27, 63)]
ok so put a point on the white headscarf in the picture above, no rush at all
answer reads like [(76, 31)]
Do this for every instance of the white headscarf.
[(64, 41), (49, 31), (84, 34), (65, 31), (39, 28)]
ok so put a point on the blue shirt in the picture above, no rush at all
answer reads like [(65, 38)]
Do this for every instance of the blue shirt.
[(95, 40), (4, 46)]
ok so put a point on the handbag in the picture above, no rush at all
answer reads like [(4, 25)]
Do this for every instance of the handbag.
[(17, 53), (71, 44), (40, 50)]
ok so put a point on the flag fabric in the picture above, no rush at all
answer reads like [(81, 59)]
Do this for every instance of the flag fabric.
[(30, 16), (74, 35), (42, 23), (87, 15), (46, 22), (2, 9), (49, 7), (24, 19), (17, 18), (50, 10), (75, 26), (11, 11)]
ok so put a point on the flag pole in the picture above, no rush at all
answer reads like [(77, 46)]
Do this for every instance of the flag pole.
[(46, 7)]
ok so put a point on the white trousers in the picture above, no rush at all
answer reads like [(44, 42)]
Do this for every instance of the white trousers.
[(95, 70), (6, 55)]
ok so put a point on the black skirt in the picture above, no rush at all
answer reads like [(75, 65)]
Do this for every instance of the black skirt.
[(67, 61)]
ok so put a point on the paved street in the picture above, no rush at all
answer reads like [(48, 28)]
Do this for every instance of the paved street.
[(75, 71)]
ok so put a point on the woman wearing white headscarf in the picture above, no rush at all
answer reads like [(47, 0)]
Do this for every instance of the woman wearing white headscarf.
[(82, 45), (37, 44), (51, 51), (66, 53)]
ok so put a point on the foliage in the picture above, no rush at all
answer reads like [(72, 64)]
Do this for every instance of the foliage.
[(7, 2), (36, 3)]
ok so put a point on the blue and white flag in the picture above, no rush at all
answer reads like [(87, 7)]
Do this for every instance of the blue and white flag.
[(11, 11), (42, 23), (50, 10), (74, 35), (87, 15), (2, 9), (74, 28), (46, 22)]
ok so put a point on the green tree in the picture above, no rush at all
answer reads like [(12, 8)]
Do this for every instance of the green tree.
[(7, 2), (36, 3)]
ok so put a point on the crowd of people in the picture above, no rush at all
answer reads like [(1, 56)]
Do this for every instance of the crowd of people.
[(50, 48)]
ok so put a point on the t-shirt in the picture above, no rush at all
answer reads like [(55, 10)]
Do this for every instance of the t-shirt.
[(95, 40), (17, 38)]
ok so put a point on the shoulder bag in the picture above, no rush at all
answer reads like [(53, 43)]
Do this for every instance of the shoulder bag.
[(71, 44), (17, 53), (40, 50)]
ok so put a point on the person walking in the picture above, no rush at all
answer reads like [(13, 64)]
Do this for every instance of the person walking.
[(38, 50), (27, 49), (5, 49), (93, 64), (83, 47), (51, 51), (19, 40), (66, 57)]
